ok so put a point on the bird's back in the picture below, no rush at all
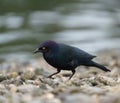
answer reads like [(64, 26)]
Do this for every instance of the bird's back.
[(70, 53), (74, 52)]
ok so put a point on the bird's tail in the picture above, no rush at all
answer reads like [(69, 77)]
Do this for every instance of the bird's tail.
[(94, 64)]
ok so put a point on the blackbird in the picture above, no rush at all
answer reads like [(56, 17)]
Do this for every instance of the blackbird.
[(65, 57)]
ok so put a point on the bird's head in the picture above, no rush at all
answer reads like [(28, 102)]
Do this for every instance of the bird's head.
[(46, 47)]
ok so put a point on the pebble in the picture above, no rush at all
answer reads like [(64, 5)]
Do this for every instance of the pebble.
[(27, 83), (28, 75), (77, 98)]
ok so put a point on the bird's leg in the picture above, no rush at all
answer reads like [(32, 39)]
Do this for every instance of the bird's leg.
[(73, 72), (50, 76)]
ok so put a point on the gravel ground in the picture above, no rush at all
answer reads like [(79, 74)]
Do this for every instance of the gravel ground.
[(27, 82)]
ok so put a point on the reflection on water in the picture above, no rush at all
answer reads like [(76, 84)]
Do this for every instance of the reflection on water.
[(91, 25)]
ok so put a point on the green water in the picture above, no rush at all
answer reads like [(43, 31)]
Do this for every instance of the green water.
[(88, 24)]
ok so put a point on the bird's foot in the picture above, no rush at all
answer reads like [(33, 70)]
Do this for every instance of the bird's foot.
[(69, 78), (50, 77)]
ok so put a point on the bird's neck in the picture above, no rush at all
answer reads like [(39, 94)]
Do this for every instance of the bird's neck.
[(50, 56)]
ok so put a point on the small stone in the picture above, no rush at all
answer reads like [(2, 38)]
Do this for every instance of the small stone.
[(3, 99), (93, 90), (28, 75), (69, 83), (106, 80), (48, 96), (2, 77), (76, 98), (41, 71), (13, 88), (29, 81), (27, 88), (12, 75), (36, 82)]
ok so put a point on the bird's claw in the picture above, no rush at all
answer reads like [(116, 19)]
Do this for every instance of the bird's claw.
[(50, 77)]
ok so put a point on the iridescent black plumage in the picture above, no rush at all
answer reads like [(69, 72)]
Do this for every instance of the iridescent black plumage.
[(65, 57)]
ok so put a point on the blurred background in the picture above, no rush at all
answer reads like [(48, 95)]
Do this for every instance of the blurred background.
[(92, 25)]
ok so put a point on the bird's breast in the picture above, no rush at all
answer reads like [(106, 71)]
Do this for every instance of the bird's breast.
[(59, 62), (51, 59)]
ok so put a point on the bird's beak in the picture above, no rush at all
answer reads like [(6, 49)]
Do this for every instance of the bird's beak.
[(36, 51)]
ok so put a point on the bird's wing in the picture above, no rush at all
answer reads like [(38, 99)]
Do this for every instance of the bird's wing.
[(73, 53), (82, 54)]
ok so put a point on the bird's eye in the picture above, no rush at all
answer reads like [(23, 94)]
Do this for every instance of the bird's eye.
[(43, 48)]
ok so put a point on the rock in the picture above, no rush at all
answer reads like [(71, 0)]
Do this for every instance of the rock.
[(37, 82), (93, 90), (27, 88), (3, 99), (17, 81), (13, 88), (3, 90), (28, 75), (2, 77), (41, 71), (76, 98), (107, 80), (12, 75), (110, 99), (49, 98)]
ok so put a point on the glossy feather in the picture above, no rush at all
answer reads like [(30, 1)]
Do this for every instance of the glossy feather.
[(65, 57)]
